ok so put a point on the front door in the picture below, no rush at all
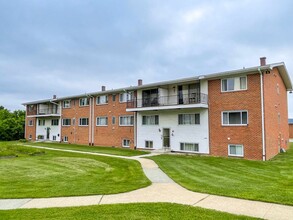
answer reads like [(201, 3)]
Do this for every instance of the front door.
[(48, 133), (166, 137)]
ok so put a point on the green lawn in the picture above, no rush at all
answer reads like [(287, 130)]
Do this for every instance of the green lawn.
[(54, 173), (119, 211), (270, 181), (102, 150)]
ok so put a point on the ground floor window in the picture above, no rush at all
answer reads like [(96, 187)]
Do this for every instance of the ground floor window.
[(41, 137), (66, 122), (189, 147), (30, 137), (148, 144), (54, 138), (65, 138), (235, 150), (126, 143)]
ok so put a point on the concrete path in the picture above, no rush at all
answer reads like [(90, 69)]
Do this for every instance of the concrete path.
[(163, 189)]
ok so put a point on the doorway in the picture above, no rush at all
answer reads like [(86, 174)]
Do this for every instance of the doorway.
[(166, 137)]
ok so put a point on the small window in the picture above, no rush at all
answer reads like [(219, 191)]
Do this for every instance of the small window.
[(42, 122), (30, 123), (30, 137), (102, 121), (66, 104), (54, 138), (41, 137), (124, 97), (150, 120), (235, 118), (235, 150), (148, 144), (83, 121), (113, 120), (234, 84), (55, 122), (126, 143), (84, 102), (103, 99), (189, 119), (189, 147), (65, 138), (114, 97), (126, 120), (66, 122)]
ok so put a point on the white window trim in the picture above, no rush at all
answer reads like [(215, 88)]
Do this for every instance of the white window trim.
[(102, 125), (31, 124), (233, 155), (189, 151), (188, 124), (42, 124), (127, 96), (127, 146), (82, 105), (148, 141), (150, 124), (82, 125), (64, 124), (64, 102), (222, 114), (65, 140), (237, 90), (106, 103), (126, 116)]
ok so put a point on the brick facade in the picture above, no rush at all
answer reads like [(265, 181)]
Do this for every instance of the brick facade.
[(30, 131), (249, 136)]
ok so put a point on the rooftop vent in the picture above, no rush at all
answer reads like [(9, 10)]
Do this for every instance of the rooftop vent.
[(103, 88)]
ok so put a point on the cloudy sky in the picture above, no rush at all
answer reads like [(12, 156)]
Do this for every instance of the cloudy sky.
[(71, 47)]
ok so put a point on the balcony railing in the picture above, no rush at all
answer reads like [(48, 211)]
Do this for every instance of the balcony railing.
[(48, 111), (198, 98)]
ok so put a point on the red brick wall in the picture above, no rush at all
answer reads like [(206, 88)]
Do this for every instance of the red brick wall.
[(291, 131), (276, 133), (30, 130), (250, 135)]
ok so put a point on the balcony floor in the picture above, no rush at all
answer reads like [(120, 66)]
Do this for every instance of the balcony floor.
[(166, 107)]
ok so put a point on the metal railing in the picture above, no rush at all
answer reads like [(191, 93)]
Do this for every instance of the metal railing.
[(48, 111), (184, 99)]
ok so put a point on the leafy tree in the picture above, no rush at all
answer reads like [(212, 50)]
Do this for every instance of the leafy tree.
[(11, 124)]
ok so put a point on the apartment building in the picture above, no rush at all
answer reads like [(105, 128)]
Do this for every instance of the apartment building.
[(240, 113)]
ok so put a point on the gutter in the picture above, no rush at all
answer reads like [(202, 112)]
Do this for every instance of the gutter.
[(262, 116)]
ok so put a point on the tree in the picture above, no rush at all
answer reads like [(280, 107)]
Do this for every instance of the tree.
[(11, 124)]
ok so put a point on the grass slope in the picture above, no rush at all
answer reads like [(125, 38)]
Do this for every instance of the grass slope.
[(103, 150), (55, 173), (121, 211), (270, 181)]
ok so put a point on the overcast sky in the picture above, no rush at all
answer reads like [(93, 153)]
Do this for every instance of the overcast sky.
[(68, 47)]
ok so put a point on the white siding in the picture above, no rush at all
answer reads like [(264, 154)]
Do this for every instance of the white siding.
[(179, 133), (54, 130)]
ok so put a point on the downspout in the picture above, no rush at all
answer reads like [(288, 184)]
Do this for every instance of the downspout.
[(262, 116), (90, 120), (93, 122), (25, 123)]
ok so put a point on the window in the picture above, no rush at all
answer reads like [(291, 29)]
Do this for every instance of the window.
[(66, 104), (83, 121), (102, 121), (124, 97), (126, 143), (30, 137), (83, 102), (234, 84), (55, 122), (30, 123), (113, 120), (235, 118), (150, 120), (103, 99), (150, 97), (189, 147), (114, 97), (189, 119), (148, 144), (66, 122), (42, 122), (54, 138), (235, 150), (41, 137), (65, 138), (126, 120)]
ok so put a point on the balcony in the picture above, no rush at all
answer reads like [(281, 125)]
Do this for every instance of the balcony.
[(48, 111), (199, 100)]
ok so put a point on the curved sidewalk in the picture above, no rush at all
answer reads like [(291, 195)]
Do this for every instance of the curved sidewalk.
[(163, 189)]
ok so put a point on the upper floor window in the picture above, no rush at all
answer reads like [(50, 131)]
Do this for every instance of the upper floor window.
[(103, 99), (124, 97), (189, 119), (102, 121), (235, 118), (66, 122), (126, 120), (150, 120), (30, 123), (150, 97), (114, 97), (41, 122), (55, 122), (66, 104), (84, 102), (83, 122), (234, 84)]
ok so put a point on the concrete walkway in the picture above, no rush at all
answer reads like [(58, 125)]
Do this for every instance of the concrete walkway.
[(163, 189)]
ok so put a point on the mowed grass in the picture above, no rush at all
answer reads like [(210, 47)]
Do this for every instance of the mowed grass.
[(119, 211), (55, 173), (96, 149), (270, 181)]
